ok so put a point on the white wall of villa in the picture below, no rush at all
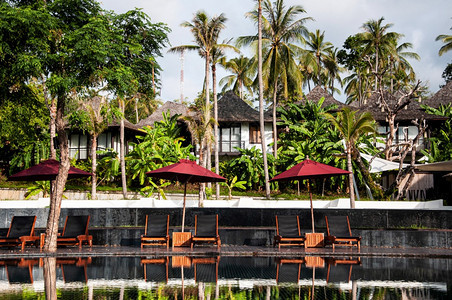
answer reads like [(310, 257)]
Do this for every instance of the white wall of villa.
[(246, 139)]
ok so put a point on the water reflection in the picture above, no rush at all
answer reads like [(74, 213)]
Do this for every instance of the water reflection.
[(182, 277)]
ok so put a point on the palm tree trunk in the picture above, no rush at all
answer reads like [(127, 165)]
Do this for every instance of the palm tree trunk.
[(215, 129), (49, 270), (122, 151), (275, 132), (261, 102), (93, 166), (56, 197), (350, 176)]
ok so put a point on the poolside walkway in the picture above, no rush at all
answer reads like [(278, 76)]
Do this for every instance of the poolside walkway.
[(229, 250)]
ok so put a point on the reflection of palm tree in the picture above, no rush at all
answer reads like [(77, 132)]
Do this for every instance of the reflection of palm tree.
[(242, 72), (49, 266), (281, 26), (351, 126)]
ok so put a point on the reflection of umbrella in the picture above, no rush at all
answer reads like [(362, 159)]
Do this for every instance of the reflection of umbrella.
[(308, 169), (186, 171)]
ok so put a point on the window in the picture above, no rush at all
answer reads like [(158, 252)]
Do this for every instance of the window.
[(255, 134), (78, 146), (230, 138)]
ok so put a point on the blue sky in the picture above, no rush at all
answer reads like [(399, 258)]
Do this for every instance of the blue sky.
[(420, 21)]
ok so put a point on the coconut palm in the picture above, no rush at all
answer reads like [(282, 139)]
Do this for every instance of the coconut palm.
[(243, 70), (351, 126), (401, 70), (379, 42), (280, 27), (333, 70), (205, 31), (319, 48), (447, 40)]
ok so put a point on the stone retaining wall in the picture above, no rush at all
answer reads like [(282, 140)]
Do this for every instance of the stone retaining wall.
[(246, 226)]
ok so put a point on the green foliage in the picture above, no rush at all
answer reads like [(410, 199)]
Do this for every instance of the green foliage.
[(249, 168), (234, 184), (441, 141), (158, 148)]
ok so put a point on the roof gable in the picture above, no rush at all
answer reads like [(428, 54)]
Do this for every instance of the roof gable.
[(232, 108)]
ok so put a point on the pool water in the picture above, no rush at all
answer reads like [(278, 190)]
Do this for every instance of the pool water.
[(226, 277)]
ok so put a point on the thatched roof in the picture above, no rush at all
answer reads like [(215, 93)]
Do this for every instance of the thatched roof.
[(127, 125), (157, 115), (442, 97), (410, 112), (233, 109), (318, 92)]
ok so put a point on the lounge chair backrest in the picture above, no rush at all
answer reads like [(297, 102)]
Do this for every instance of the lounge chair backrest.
[(21, 226), (156, 225), (206, 225), (288, 226), (75, 226), (338, 226)]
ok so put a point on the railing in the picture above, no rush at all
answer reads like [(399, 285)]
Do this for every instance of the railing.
[(228, 147)]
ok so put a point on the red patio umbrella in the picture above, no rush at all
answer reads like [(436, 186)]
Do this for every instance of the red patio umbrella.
[(308, 169), (185, 171), (46, 170)]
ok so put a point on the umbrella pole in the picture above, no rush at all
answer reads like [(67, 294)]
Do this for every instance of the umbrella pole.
[(312, 208), (183, 209)]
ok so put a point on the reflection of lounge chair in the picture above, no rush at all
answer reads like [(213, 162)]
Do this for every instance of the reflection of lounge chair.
[(155, 269), (74, 269), (156, 231), (20, 232), (206, 230), (19, 270), (340, 270), (288, 232), (339, 232), (75, 232), (288, 270), (206, 269)]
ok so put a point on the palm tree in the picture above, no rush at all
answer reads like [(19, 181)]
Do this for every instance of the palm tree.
[(261, 98), (280, 27), (217, 57), (401, 70), (205, 32), (318, 48), (242, 70), (351, 126), (378, 42), (447, 40), (333, 70)]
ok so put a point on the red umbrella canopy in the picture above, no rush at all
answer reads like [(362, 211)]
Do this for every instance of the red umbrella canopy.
[(46, 170), (186, 171), (309, 169)]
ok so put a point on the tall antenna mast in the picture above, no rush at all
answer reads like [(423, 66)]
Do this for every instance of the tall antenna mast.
[(182, 76)]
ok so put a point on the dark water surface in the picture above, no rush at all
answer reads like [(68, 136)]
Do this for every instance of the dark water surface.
[(180, 277)]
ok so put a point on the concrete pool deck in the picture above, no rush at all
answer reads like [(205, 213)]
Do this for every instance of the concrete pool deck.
[(228, 250)]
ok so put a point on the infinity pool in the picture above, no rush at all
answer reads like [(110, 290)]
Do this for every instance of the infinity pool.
[(180, 277)]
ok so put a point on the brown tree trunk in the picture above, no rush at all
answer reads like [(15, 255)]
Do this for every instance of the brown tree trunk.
[(215, 130), (94, 166), (122, 153), (350, 176), (49, 266), (52, 128), (261, 103), (275, 131), (56, 197)]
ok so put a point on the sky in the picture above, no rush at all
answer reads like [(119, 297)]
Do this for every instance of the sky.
[(419, 21)]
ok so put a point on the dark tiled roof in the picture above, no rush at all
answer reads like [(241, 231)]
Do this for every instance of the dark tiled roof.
[(410, 112), (442, 97), (318, 92), (174, 108), (233, 109)]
